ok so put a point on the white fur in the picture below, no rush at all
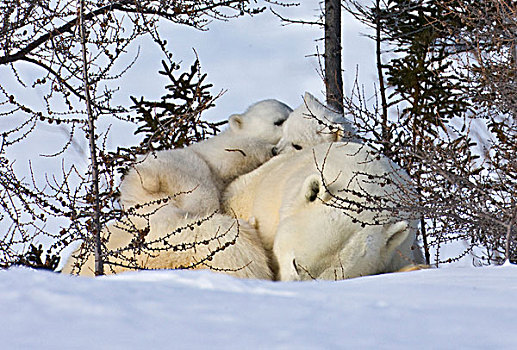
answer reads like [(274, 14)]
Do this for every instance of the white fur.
[(288, 200), (313, 123), (168, 187), (262, 121), (243, 257), (191, 179)]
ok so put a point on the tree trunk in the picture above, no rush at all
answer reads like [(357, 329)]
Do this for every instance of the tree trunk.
[(509, 234), (333, 73), (99, 267), (386, 138)]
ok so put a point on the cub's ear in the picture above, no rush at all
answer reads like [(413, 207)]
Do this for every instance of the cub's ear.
[(311, 101), (313, 187), (312, 105), (235, 122), (396, 233)]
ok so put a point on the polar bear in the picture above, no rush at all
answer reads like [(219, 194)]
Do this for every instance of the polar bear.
[(313, 123), (329, 212), (217, 242), (190, 180)]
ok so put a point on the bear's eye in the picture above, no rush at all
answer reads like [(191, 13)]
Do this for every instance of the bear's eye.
[(279, 122), (295, 266), (297, 147)]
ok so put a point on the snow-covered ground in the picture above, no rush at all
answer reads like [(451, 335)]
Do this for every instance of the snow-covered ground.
[(453, 308), (450, 308)]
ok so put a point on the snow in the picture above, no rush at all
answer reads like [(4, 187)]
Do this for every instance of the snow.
[(454, 308), (451, 308)]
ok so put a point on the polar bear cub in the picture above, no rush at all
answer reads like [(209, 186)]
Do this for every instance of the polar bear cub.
[(313, 123), (220, 243), (329, 212), (190, 180)]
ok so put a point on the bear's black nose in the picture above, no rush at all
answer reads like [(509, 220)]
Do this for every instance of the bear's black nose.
[(274, 151)]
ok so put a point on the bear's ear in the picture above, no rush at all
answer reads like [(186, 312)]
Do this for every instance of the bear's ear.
[(235, 122), (396, 233), (311, 187)]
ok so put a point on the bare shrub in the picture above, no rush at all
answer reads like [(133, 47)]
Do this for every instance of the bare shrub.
[(73, 54)]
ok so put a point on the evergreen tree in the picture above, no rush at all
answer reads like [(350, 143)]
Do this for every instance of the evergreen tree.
[(432, 92)]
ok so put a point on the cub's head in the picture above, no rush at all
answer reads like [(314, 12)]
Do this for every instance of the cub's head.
[(262, 121), (310, 124)]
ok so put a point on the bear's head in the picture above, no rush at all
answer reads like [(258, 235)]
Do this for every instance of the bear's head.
[(262, 121), (317, 239), (310, 124)]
